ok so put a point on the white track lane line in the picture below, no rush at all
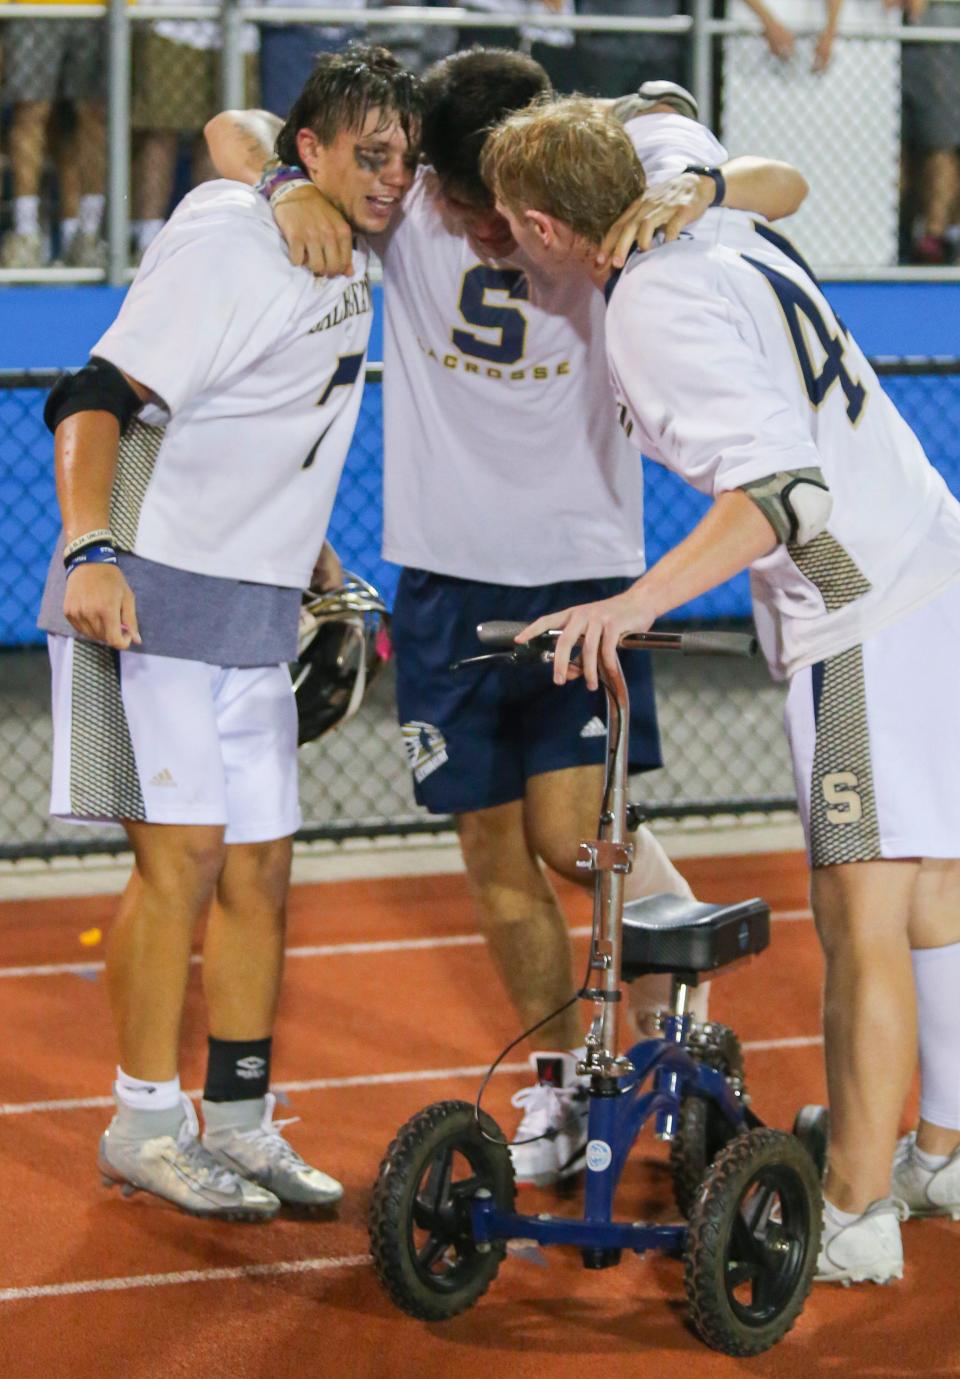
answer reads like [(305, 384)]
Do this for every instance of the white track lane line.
[(297, 1266), (117, 1285), (333, 1084), (326, 950)]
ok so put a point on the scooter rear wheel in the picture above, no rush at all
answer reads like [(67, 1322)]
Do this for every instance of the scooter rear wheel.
[(752, 1246), (702, 1130)]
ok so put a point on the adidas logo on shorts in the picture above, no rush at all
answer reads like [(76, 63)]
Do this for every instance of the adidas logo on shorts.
[(595, 728), (163, 777)]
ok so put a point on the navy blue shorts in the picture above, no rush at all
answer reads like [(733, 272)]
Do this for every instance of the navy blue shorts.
[(474, 737)]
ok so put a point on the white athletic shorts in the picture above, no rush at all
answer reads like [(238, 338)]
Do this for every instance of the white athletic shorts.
[(875, 737), (161, 740)]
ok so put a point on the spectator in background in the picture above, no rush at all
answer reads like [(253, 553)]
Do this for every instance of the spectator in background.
[(176, 89), (610, 63), (931, 134), (552, 47), (780, 37), (46, 61), (287, 53), (415, 45)]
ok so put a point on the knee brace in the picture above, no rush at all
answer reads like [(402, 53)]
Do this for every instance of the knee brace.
[(936, 975)]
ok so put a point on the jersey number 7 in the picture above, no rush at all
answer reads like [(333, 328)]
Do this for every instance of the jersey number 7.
[(343, 376)]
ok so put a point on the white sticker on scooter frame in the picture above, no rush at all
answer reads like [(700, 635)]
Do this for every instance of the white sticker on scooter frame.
[(599, 1156)]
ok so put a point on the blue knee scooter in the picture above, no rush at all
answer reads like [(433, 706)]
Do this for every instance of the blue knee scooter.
[(443, 1207)]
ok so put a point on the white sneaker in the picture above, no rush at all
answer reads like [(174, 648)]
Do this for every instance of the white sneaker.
[(159, 1152), (926, 1191), (243, 1136), (86, 251), (868, 1250), (21, 251), (554, 1121)]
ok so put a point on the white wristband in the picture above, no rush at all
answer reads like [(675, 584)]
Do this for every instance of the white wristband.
[(286, 188)]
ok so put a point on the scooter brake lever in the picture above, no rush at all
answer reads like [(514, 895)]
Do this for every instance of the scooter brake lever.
[(520, 655)]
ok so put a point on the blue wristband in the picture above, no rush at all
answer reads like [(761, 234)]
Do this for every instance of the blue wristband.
[(101, 554)]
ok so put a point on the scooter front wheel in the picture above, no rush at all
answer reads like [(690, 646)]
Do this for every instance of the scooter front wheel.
[(421, 1235)]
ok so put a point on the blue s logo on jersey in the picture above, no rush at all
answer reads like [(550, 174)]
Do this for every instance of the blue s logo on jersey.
[(509, 321)]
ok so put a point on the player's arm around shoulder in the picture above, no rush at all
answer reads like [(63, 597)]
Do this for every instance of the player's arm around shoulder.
[(241, 144), (765, 186)]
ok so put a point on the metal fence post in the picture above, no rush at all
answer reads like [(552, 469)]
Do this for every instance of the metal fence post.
[(703, 60), (118, 142), (232, 84)]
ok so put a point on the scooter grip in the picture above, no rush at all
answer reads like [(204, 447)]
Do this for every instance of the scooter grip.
[(499, 634), (718, 644)]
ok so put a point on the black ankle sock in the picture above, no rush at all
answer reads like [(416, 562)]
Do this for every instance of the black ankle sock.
[(237, 1069)]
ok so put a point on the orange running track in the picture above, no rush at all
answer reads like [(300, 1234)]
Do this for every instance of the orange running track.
[(379, 1019)]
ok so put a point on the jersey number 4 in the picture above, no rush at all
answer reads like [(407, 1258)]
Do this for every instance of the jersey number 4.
[(798, 306), (343, 376), (508, 321)]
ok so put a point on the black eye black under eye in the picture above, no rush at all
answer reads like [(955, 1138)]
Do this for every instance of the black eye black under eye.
[(370, 161)]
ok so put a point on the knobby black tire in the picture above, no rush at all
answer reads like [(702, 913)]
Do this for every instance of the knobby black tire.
[(709, 1248), (417, 1143), (702, 1130)]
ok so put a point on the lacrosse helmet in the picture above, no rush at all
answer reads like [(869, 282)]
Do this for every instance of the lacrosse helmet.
[(343, 642)]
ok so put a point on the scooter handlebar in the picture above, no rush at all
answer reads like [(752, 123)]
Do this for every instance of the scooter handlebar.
[(500, 635)]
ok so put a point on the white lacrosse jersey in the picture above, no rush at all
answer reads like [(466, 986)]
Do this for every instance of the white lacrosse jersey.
[(260, 368), (667, 144), (503, 458), (730, 366)]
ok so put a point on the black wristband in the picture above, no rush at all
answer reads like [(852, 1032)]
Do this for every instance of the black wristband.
[(719, 181)]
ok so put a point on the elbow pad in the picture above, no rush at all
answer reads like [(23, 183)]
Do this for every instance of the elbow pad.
[(97, 387), (653, 93), (797, 503)]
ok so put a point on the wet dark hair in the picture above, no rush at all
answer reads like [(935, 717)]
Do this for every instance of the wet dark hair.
[(341, 91), (466, 94)]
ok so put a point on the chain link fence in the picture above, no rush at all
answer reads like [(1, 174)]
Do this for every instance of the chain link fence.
[(722, 738), (103, 107)]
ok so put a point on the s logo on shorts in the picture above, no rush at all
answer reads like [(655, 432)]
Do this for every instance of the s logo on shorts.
[(425, 747)]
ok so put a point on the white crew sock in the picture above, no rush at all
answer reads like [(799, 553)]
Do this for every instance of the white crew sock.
[(836, 1219), (146, 1096), (91, 213), (936, 975), (26, 215), (931, 1162), (68, 228)]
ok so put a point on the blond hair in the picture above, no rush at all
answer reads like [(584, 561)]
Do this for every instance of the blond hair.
[(567, 157)]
